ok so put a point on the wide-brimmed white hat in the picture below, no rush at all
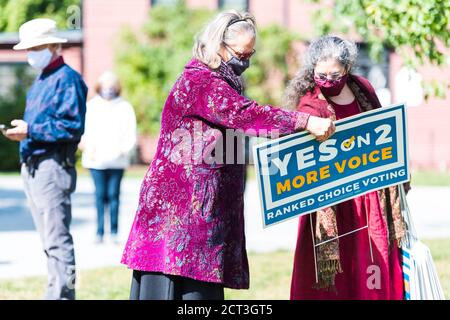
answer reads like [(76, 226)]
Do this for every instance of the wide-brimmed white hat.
[(37, 32)]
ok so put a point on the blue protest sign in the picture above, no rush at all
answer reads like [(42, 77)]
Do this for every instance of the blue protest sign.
[(297, 174)]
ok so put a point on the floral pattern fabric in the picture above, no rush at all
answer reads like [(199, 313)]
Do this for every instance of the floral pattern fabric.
[(190, 217)]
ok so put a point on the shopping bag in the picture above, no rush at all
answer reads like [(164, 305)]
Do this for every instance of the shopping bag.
[(419, 272)]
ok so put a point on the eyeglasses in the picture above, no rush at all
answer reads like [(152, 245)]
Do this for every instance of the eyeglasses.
[(335, 76), (240, 55)]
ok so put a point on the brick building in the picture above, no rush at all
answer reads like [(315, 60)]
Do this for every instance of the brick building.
[(90, 50)]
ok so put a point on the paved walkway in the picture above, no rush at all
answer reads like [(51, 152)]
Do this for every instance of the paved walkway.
[(20, 248)]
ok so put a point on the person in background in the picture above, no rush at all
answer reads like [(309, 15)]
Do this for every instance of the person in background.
[(327, 87), (187, 240), (109, 138), (49, 133)]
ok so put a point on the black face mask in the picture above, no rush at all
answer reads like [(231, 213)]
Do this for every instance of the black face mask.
[(238, 66)]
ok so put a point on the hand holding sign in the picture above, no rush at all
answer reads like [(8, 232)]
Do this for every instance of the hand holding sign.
[(321, 128)]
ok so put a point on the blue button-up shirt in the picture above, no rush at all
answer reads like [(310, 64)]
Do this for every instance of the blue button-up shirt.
[(55, 111)]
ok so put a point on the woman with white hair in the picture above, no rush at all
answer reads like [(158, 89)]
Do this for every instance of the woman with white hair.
[(110, 136), (187, 240), (327, 87)]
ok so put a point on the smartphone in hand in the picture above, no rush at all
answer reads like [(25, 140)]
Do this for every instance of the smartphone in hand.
[(4, 127)]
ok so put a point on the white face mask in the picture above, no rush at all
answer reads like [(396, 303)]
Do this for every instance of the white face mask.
[(39, 59)]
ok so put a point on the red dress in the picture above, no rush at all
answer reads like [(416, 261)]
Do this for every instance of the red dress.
[(361, 278)]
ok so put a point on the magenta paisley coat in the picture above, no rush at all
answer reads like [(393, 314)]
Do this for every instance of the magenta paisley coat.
[(190, 218)]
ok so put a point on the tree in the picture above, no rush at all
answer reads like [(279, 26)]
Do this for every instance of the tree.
[(149, 62), (12, 102), (269, 72), (416, 29), (14, 13)]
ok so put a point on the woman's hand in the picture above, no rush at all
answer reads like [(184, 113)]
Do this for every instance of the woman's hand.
[(321, 128)]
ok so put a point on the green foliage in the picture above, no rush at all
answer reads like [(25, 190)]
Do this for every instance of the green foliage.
[(416, 29), (417, 25), (149, 62), (13, 13), (12, 105), (268, 75), (270, 278)]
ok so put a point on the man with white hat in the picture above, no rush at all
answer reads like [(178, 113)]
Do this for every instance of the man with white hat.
[(49, 133)]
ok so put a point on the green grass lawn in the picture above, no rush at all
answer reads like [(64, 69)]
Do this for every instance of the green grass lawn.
[(9, 173), (133, 172), (430, 178), (419, 178), (270, 278)]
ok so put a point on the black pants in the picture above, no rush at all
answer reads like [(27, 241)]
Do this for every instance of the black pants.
[(159, 286)]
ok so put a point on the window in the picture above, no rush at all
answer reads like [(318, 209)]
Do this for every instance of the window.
[(163, 2), (241, 5)]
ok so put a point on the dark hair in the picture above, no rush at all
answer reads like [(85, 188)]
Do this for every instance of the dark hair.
[(321, 49)]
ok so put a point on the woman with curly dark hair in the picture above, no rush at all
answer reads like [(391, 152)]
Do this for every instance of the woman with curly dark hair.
[(348, 267)]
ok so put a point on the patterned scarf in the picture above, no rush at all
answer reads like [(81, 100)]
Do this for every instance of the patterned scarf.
[(228, 74), (328, 256)]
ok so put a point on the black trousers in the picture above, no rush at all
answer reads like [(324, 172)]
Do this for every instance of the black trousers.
[(159, 286)]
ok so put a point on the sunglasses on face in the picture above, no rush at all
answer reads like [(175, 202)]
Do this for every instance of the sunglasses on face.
[(240, 55), (335, 76)]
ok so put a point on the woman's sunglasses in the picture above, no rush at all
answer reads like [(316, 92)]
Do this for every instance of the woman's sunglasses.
[(333, 77), (240, 55)]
